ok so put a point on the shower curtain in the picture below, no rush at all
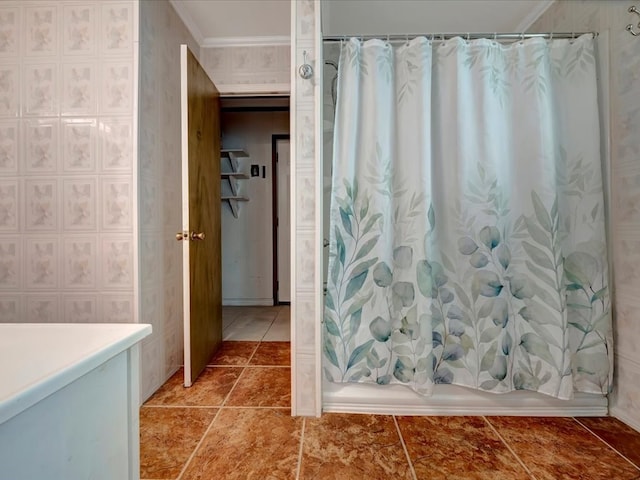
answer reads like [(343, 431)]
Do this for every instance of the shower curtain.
[(467, 218)]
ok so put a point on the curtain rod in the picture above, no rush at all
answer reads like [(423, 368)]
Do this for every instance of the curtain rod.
[(438, 37)]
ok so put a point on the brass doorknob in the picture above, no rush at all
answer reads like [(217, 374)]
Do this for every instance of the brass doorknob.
[(197, 236), (181, 236)]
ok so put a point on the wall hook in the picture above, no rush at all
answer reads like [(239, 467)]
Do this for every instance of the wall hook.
[(633, 9), (305, 70)]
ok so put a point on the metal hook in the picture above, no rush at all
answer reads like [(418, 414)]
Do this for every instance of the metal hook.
[(305, 70), (629, 28)]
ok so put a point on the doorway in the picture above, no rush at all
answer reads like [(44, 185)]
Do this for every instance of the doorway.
[(281, 167), (250, 272)]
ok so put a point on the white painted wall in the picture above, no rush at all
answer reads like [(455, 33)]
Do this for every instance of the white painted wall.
[(247, 244)]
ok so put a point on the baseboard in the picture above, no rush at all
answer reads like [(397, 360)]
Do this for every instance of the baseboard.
[(624, 418), (455, 400), (247, 302)]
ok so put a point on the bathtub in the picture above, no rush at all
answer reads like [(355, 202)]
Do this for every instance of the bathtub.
[(69, 401), (454, 400)]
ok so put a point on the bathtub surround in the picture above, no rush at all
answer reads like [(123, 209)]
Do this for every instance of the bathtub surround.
[(473, 254), (624, 224)]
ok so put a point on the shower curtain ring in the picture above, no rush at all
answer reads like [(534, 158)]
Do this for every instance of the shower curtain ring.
[(467, 36)]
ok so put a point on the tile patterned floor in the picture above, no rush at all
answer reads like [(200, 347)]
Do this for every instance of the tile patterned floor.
[(270, 324), (235, 423)]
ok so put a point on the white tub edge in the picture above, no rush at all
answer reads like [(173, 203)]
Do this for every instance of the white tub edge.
[(454, 400)]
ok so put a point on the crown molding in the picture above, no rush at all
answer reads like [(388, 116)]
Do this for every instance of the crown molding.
[(533, 15), (188, 20), (256, 41)]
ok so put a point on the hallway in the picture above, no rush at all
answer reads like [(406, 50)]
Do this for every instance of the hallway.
[(235, 423)]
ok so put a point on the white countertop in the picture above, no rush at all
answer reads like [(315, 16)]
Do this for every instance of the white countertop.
[(39, 359)]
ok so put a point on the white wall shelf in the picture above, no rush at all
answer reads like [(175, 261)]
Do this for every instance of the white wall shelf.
[(229, 159)]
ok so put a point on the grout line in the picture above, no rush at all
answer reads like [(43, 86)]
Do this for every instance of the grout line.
[(404, 447), (495, 430), (299, 466), (256, 407), (235, 384), (182, 406), (605, 442), (253, 353), (193, 454), (268, 328), (268, 366)]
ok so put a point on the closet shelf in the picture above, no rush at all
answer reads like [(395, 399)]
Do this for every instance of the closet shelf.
[(236, 197), (239, 175), (231, 175)]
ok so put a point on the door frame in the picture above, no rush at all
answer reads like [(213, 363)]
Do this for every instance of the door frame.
[(274, 210)]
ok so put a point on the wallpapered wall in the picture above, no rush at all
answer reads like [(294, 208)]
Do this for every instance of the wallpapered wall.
[(624, 52), (66, 161), (251, 66), (159, 189)]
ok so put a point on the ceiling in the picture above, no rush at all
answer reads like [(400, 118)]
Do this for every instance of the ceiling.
[(219, 22)]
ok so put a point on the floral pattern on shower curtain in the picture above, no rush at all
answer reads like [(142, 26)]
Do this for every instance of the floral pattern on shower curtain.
[(467, 218)]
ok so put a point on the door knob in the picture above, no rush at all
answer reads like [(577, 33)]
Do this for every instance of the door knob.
[(181, 236), (197, 236)]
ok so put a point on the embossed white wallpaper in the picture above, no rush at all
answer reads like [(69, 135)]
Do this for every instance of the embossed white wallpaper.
[(248, 66), (624, 54), (66, 161)]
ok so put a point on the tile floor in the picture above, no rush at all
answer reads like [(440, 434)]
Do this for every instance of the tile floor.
[(256, 323), (235, 423)]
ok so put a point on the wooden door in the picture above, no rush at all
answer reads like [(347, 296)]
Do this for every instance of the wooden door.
[(200, 234)]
